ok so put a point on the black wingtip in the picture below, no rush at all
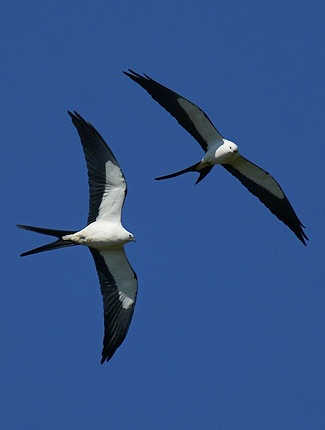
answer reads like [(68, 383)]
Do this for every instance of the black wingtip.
[(132, 74), (136, 77), (75, 116), (297, 228), (106, 356), (302, 236)]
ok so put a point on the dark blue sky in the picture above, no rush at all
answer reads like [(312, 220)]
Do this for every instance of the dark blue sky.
[(228, 331)]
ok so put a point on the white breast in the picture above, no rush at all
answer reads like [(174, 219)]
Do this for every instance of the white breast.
[(221, 154)]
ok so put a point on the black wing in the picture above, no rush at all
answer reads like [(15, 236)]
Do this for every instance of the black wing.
[(104, 172), (119, 285), (268, 191), (188, 115)]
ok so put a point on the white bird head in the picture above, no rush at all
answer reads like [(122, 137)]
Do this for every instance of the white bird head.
[(131, 237), (230, 146), (222, 153)]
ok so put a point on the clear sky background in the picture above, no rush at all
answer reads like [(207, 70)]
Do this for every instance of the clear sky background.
[(228, 331)]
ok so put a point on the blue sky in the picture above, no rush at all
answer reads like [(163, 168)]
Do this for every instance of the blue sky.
[(228, 331)]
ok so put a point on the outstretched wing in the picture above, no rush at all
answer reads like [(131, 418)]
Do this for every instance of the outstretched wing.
[(107, 185), (268, 191), (188, 115), (119, 286)]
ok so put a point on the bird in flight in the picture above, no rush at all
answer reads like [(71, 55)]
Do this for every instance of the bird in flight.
[(221, 151), (104, 235)]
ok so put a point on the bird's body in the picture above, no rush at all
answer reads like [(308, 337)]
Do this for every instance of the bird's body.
[(101, 235), (104, 235), (219, 150), (219, 154)]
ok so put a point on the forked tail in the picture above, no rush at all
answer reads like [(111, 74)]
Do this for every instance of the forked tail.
[(202, 172), (59, 243)]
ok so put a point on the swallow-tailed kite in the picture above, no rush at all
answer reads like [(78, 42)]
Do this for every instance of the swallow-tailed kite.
[(221, 151), (104, 235)]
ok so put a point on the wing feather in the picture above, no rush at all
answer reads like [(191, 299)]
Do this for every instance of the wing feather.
[(268, 191), (107, 185), (119, 285), (189, 116)]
